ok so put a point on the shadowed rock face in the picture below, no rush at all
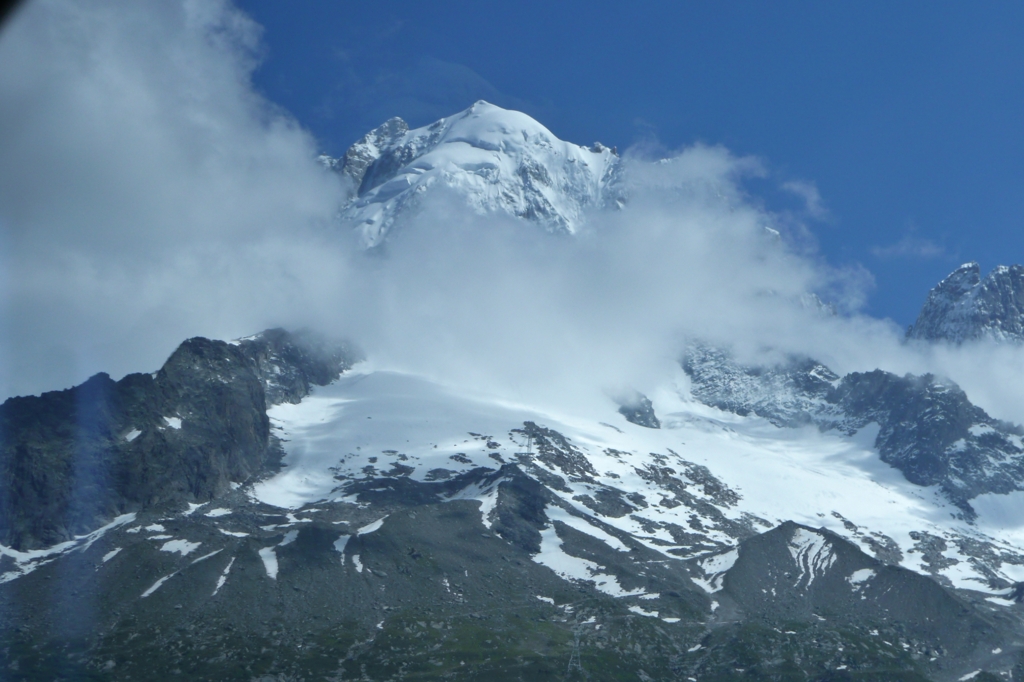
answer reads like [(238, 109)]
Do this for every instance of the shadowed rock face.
[(965, 307), (793, 572), (71, 460)]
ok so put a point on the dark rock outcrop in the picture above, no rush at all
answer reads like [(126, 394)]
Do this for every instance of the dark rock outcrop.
[(71, 460), (638, 409)]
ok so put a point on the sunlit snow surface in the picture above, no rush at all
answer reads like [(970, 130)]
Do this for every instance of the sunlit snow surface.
[(369, 422), (498, 161)]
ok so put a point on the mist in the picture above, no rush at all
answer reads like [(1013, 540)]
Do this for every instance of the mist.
[(148, 194)]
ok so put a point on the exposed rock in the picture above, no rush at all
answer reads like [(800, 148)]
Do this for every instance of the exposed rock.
[(965, 307), (73, 459), (789, 394), (928, 428), (637, 408)]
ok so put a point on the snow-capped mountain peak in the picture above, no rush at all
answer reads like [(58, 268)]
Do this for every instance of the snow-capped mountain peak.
[(965, 307), (500, 161)]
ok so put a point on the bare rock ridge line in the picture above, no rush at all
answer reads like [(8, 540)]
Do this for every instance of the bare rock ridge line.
[(928, 428), (71, 460), (966, 307)]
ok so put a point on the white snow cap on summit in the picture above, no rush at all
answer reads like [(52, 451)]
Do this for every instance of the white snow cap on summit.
[(500, 161)]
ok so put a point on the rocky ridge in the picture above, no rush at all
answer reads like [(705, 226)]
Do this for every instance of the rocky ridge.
[(966, 307), (927, 426), (73, 460)]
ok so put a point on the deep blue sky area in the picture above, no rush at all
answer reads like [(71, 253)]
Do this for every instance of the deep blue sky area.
[(906, 116)]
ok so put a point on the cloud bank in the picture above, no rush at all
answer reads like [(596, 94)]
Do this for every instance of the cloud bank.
[(149, 194)]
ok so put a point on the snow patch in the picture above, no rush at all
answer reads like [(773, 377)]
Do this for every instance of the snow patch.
[(234, 533), (223, 578), (269, 558), (715, 568), (173, 422), (220, 511), (812, 553), (584, 526), (132, 435), (111, 554), (1000, 601), (206, 556), (357, 563), (339, 546), (28, 561), (157, 584), (182, 547), (574, 568), (371, 527), (861, 576)]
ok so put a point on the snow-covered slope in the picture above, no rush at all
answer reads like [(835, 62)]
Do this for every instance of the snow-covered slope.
[(693, 488), (498, 161), (927, 426), (965, 307), (410, 517)]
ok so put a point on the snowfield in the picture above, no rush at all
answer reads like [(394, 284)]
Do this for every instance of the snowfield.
[(376, 422)]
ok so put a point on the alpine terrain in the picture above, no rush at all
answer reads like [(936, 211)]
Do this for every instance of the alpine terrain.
[(287, 507)]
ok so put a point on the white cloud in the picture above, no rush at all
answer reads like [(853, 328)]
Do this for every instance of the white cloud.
[(148, 194), (808, 191)]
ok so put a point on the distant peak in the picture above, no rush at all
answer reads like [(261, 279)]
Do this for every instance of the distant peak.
[(498, 160), (964, 307)]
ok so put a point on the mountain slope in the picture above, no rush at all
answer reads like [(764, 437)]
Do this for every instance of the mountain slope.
[(415, 530), (926, 427), (965, 307), (496, 160), (72, 460)]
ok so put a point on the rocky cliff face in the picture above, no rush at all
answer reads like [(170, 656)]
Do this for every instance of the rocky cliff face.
[(927, 427), (965, 307), (72, 460)]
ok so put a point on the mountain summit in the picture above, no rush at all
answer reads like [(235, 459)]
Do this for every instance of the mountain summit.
[(498, 161), (965, 307)]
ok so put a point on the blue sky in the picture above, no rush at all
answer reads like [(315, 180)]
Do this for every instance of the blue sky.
[(905, 116)]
